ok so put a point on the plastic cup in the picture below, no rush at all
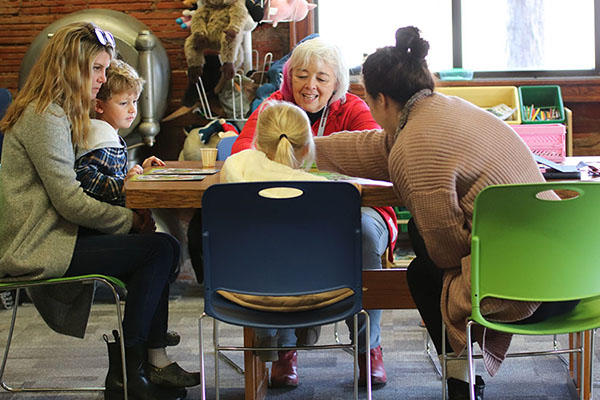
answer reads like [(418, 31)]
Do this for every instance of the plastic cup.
[(209, 157)]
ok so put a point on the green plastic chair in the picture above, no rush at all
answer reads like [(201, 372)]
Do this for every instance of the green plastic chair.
[(531, 249), (111, 282)]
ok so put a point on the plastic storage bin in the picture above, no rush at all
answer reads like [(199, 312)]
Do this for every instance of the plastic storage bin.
[(545, 98), (487, 97), (456, 74), (545, 140)]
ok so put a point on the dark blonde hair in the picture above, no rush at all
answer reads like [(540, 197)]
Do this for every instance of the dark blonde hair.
[(62, 75), (120, 78), (282, 129)]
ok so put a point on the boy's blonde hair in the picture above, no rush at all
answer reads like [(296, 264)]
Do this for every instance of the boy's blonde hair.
[(282, 129), (62, 75), (120, 78)]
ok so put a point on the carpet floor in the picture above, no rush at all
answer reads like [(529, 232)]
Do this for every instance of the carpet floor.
[(39, 357)]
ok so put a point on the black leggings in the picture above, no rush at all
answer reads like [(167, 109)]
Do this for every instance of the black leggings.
[(425, 281), (146, 263)]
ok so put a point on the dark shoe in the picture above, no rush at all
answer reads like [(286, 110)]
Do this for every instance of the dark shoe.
[(172, 376), (308, 336), (172, 338), (138, 385), (378, 375), (459, 390), (284, 372), (266, 341)]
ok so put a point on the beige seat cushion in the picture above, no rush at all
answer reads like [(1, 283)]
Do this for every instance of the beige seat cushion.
[(288, 303)]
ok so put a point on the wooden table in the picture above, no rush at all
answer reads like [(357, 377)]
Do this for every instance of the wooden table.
[(384, 289), (188, 194)]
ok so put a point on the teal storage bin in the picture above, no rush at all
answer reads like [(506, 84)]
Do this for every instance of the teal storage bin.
[(543, 103)]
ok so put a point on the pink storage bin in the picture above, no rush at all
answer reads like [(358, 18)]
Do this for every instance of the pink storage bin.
[(545, 140)]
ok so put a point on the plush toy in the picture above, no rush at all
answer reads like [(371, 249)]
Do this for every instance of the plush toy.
[(289, 10), (185, 19), (219, 25), (205, 136), (186, 15)]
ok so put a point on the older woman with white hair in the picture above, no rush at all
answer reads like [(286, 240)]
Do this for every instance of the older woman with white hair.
[(316, 79)]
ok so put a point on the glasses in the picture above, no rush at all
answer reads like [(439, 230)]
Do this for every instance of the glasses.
[(105, 37)]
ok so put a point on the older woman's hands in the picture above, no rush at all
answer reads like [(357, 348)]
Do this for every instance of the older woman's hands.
[(143, 221)]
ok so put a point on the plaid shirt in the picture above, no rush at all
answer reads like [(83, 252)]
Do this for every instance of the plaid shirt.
[(102, 173)]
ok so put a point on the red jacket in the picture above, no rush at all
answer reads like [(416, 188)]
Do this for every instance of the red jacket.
[(351, 115)]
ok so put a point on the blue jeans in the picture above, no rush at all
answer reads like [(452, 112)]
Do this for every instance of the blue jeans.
[(146, 263), (374, 243)]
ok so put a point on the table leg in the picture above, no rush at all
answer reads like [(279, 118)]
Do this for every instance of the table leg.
[(583, 379), (256, 375)]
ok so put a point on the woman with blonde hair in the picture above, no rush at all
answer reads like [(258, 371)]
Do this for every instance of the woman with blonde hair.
[(50, 228)]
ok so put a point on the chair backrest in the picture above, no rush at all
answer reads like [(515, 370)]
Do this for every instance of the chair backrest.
[(224, 147), (527, 248), (258, 245)]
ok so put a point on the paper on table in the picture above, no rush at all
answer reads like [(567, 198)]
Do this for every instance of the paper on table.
[(183, 171), (334, 176), (153, 177)]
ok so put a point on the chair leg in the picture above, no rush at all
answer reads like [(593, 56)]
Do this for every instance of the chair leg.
[(470, 359), (117, 300), (368, 355), (355, 349), (8, 341), (216, 347), (444, 362), (201, 346)]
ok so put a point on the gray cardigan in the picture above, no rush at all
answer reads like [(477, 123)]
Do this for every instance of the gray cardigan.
[(41, 202)]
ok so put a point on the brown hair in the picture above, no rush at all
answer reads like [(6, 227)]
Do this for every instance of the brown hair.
[(399, 71)]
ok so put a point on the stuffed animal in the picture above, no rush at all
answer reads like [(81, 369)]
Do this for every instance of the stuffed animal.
[(185, 19), (219, 25), (204, 136), (186, 15), (289, 10)]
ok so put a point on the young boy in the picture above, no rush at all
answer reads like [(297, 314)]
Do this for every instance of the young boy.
[(101, 167)]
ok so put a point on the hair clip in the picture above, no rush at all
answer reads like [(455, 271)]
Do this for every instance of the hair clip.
[(105, 37)]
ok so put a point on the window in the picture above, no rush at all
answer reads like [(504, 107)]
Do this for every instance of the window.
[(491, 37)]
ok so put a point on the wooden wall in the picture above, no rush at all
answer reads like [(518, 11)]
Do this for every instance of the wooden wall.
[(22, 20)]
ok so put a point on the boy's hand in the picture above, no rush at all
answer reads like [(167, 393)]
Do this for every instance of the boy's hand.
[(135, 170), (153, 161)]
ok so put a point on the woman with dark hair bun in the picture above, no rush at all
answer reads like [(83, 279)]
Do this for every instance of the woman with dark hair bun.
[(439, 152)]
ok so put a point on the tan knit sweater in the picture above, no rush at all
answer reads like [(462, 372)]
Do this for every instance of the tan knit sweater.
[(444, 152)]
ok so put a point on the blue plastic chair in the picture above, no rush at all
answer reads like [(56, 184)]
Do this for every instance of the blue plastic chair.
[(528, 248), (305, 243), (224, 147)]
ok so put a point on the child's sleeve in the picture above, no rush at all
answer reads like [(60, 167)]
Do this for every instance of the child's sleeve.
[(97, 178)]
